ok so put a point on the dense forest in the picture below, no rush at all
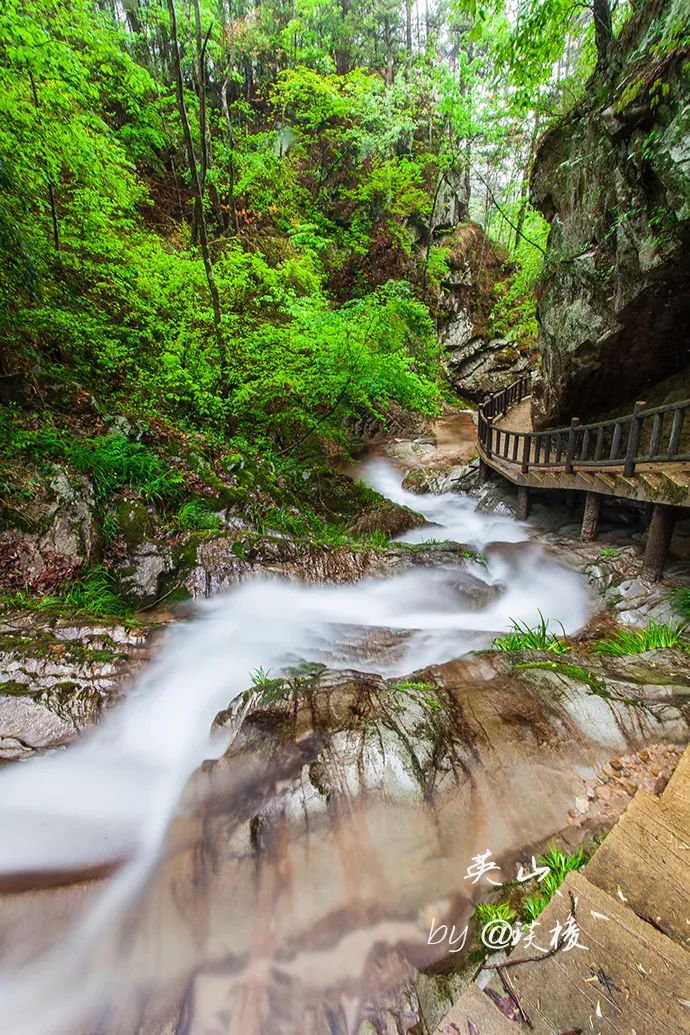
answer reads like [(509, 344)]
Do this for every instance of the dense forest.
[(228, 232)]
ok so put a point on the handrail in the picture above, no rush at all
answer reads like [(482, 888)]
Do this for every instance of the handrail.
[(639, 437)]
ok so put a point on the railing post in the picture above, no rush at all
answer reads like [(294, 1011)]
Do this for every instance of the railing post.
[(616, 440), (489, 436), (570, 449), (527, 448), (633, 440), (676, 428)]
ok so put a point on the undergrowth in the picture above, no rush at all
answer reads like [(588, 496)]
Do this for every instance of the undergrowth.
[(91, 595)]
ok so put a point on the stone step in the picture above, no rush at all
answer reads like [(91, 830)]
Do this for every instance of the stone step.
[(629, 977), (477, 1014), (676, 797), (645, 862)]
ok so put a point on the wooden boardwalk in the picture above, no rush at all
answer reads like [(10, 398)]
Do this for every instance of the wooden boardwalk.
[(639, 456), (632, 908)]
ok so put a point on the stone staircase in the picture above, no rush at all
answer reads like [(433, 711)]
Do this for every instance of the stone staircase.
[(632, 908)]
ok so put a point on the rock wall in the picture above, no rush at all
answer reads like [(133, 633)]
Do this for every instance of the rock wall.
[(613, 179), (478, 361)]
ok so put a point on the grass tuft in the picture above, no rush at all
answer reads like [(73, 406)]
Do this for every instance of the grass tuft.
[(636, 641), (524, 637)]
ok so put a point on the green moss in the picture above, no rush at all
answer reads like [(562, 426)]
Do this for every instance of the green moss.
[(575, 672), (133, 522)]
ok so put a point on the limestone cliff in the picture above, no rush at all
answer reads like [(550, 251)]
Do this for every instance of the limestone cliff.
[(613, 179)]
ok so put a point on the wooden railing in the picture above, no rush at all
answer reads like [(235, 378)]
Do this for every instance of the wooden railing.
[(645, 436)]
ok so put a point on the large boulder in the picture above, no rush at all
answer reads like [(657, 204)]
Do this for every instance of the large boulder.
[(613, 179)]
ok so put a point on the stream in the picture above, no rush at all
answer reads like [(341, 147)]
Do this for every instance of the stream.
[(182, 925)]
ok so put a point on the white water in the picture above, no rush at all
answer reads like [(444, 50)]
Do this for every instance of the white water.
[(112, 795)]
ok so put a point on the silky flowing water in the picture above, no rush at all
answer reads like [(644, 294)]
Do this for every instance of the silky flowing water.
[(184, 922)]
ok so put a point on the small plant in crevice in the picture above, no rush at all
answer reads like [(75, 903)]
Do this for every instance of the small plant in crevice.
[(269, 689), (489, 912), (608, 552), (525, 637), (560, 864), (424, 692), (654, 636)]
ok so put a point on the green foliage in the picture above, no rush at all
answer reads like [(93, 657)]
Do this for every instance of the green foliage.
[(524, 637), (90, 595), (196, 515), (561, 864), (113, 462), (269, 689), (93, 594), (489, 912), (654, 636)]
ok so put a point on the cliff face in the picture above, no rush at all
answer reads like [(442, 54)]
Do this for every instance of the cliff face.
[(613, 179)]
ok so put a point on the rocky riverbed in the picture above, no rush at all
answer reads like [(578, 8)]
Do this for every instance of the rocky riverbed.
[(350, 787)]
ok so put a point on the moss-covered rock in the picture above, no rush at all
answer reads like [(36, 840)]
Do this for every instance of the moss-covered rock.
[(133, 521)]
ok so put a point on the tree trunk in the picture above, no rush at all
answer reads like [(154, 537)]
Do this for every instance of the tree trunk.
[(603, 30), (196, 186), (231, 150)]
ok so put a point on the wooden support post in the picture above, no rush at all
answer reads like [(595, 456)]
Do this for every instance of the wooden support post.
[(522, 506), (590, 518), (484, 471), (658, 540)]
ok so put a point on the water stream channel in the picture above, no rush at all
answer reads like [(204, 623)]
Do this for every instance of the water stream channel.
[(312, 917)]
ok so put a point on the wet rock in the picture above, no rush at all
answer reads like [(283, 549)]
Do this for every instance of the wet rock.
[(58, 535), (56, 679), (142, 581), (388, 518), (442, 478), (381, 789), (72, 530)]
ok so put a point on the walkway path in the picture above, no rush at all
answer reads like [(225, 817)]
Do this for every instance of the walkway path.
[(642, 456), (632, 908)]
